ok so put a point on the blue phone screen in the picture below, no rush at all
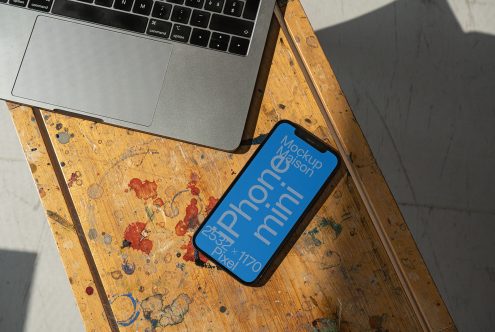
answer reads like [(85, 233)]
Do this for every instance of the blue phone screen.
[(258, 212)]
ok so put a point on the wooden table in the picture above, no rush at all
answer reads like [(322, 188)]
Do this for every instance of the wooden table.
[(355, 268)]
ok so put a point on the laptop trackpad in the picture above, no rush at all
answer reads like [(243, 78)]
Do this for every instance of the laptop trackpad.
[(92, 70)]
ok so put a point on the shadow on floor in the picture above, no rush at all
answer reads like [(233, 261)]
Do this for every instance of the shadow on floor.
[(16, 274), (423, 92)]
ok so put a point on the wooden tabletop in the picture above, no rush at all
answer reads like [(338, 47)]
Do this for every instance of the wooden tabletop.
[(355, 268)]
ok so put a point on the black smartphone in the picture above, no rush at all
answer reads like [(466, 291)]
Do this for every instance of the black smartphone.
[(261, 209)]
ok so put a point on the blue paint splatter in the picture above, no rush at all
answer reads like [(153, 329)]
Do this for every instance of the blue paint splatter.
[(128, 267), (135, 314)]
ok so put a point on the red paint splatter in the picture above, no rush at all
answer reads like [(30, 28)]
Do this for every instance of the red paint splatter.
[(135, 236), (158, 202), (212, 201), (192, 255), (194, 177), (73, 178), (190, 220), (192, 184), (144, 190), (89, 290)]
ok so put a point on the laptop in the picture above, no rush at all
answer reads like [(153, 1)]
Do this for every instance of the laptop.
[(184, 69)]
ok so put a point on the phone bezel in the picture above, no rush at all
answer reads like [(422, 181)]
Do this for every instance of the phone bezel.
[(321, 143)]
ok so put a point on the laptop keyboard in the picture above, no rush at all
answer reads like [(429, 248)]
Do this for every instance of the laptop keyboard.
[(223, 25)]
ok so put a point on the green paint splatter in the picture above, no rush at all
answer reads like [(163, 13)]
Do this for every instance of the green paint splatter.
[(326, 221), (150, 213), (313, 233)]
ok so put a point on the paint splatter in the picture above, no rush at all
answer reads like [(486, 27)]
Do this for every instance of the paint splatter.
[(116, 274), (135, 236), (58, 126), (149, 213), (192, 185), (92, 234), (107, 239), (194, 189), (312, 233), (312, 42), (192, 255), (325, 325), (212, 201), (281, 106), (158, 202), (161, 315), (327, 221), (60, 220), (128, 268), (95, 191), (144, 190), (180, 266), (330, 260), (63, 137), (89, 290), (74, 178), (135, 312), (223, 309), (190, 221)]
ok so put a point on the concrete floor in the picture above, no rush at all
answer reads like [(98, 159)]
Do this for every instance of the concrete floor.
[(420, 77), (35, 294)]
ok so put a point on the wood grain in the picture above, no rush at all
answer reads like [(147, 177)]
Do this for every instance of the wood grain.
[(337, 277), (388, 219)]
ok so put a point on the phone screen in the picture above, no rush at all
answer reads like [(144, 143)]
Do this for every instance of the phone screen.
[(263, 205)]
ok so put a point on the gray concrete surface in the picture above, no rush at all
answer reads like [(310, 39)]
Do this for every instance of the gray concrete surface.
[(35, 294), (420, 78)]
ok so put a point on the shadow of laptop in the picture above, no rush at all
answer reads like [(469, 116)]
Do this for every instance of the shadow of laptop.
[(423, 91)]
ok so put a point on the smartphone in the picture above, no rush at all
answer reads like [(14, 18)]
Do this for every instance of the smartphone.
[(261, 209)]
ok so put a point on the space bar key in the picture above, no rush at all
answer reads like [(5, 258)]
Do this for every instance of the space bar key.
[(100, 15)]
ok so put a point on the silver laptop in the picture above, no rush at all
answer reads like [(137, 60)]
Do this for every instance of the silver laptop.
[(184, 69)]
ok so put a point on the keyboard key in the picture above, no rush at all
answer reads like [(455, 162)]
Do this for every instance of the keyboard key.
[(233, 7), (195, 3), (200, 18), (86, 1), (20, 3), (100, 15), (219, 41), (159, 28), (179, 2), (161, 10), (123, 4), (239, 45), (3, 1), (181, 14), (106, 3), (214, 5), (251, 9), (200, 37), (181, 33), (232, 25), (43, 5), (143, 7)]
